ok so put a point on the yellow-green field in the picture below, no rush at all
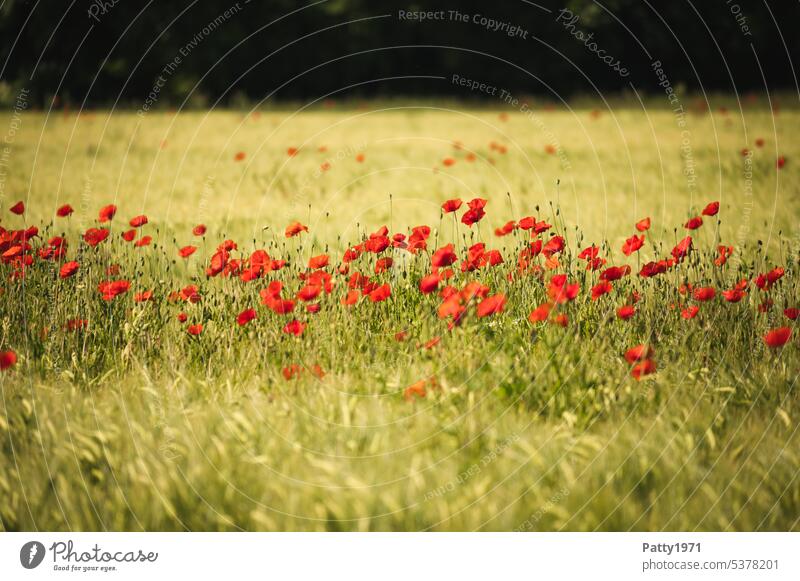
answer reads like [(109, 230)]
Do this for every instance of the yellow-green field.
[(132, 423)]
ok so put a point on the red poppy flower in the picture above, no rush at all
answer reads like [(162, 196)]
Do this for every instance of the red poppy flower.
[(690, 312), (451, 206), (444, 256), (351, 298), (138, 221), (638, 353), (703, 294), (507, 228), (18, 208), (194, 329), (7, 359), (448, 161), (199, 230), (781, 161), (143, 241), (682, 249), (320, 261), (291, 151), (554, 246), (472, 216), (64, 211), (107, 213), (625, 312), (562, 320), (415, 390), (190, 293), (381, 293), (129, 235), (643, 225), (182, 317), (694, 223), (778, 337), (68, 269), (601, 288), (561, 292), (632, 244), (526, 223), (429, 283), (377, 244), (711, 209), (294, 229), (725, 253), (309, 292), (646, 367), (112, 288), (491, 305), (589, 253), (791, 313), (240, 155), (733, 295), (432, 343), (760, 142), (540, 313), (94, 236), (245, 317), (143, 296), (360, 158), (613, 273), (187, 251), (294, 327)]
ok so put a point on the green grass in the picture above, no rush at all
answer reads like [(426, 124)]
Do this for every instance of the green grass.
[(133, 424)]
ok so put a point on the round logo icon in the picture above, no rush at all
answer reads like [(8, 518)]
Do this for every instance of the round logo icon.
[(31, 554)]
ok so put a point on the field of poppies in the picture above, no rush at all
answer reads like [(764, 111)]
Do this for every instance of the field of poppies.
[(385, 316)]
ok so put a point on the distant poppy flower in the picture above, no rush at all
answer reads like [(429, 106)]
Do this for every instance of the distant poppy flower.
[(643, 225), (351, 298), (295, 228), (143, 241), (400, 336), (64, 211), (240, 155), (7, 359), (711, 209), (444, 256), (638, 353), (760, 142), (309, 292), (473, 216), (432, 343), (733, 295), (129, 235), (643, 368), (791, 313), (600, 289), (415, 390), (781, 161), (778, 337), (560, 291), (182, 317), (291, 151), (107, 213), (18, 208), (632, 244), (138, 221), (194, 329), (294, 327), (507, 228), (694, 223), (68, 269), (682, 249), (589, 253), (613, 273), (724, 252), (320, 261), (143, 296), (562, 320), (448, 161), (94, 236), (429, 283), (555, 245), (706, 293), (690, 312), (112, 288), (491, 305), (381, 293), (187, 251), (625, 312), (360, 158), (199, 230), (540, 313), (245, 317), (451, 206)]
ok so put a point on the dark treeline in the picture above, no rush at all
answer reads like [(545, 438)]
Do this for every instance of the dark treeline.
[(157, 53)]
